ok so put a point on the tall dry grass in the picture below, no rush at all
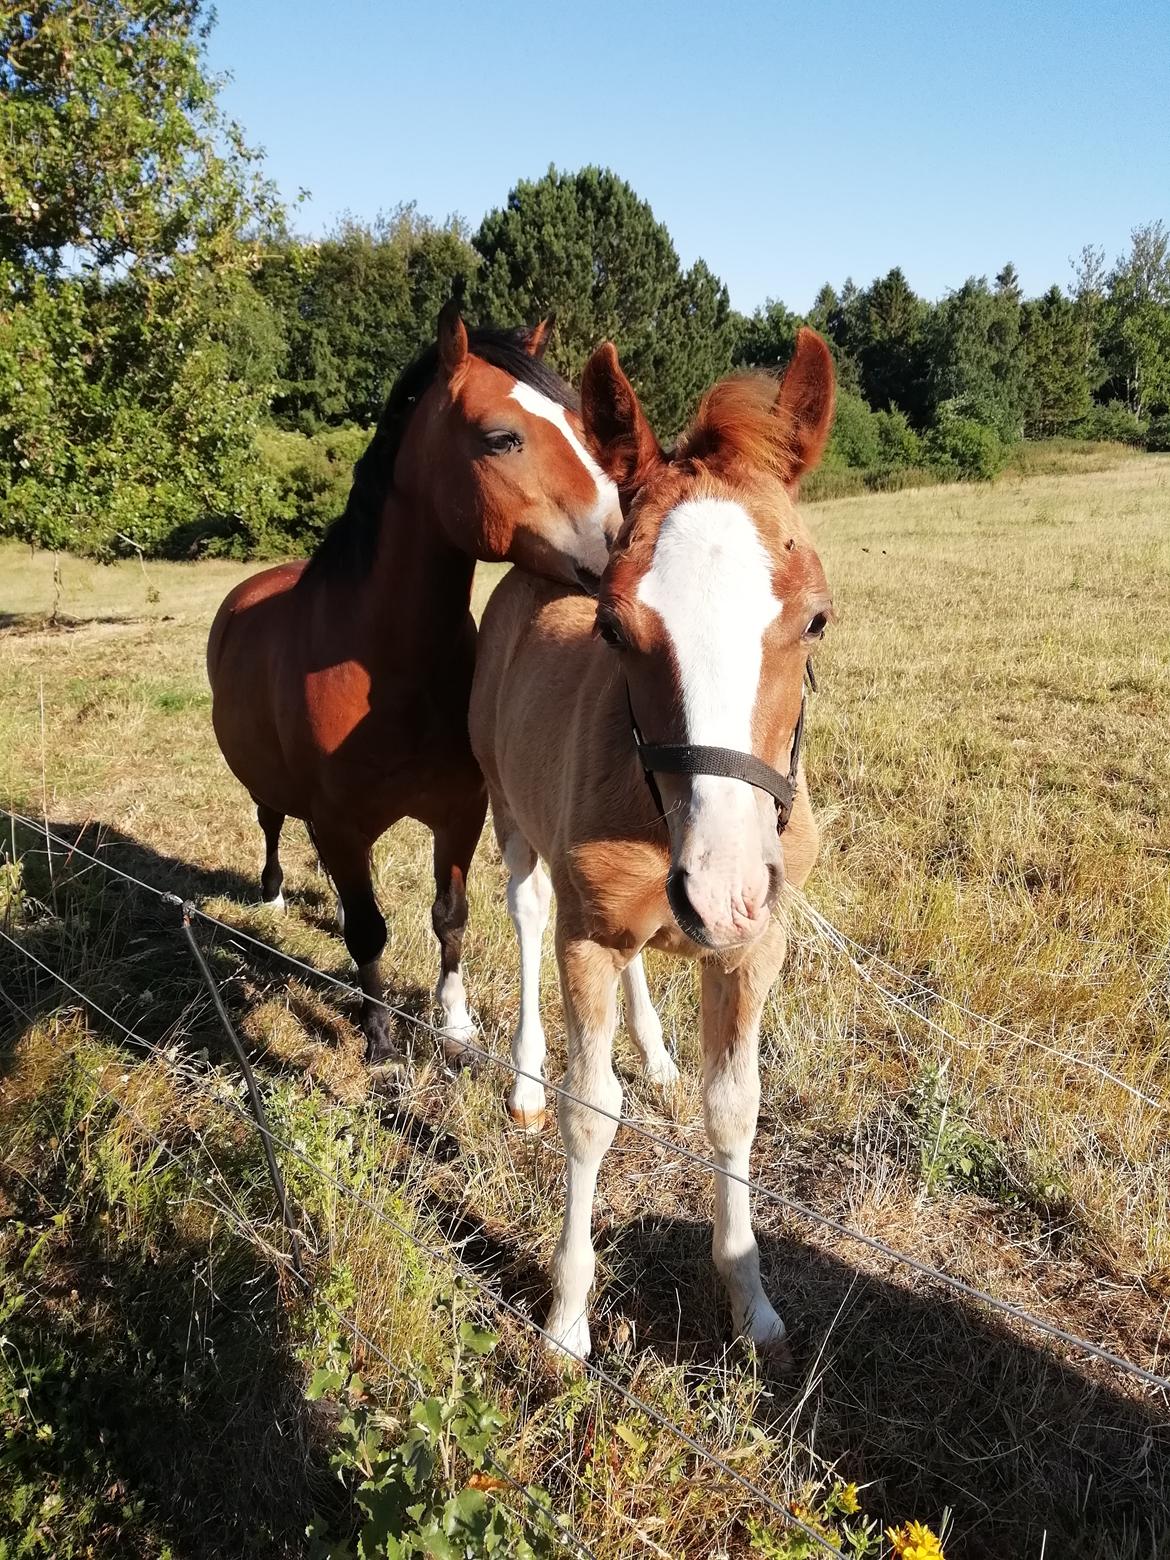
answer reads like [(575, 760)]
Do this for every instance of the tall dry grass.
[(989, 755)]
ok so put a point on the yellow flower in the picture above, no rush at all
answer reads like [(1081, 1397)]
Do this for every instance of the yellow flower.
[(847, 1499), (914, 1541)]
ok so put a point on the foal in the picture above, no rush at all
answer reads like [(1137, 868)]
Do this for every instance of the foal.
[(647, 748), (340, 686)]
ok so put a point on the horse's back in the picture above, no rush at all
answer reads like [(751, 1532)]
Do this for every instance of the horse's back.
[(232, 617)]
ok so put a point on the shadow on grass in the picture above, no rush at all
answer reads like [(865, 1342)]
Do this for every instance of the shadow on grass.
[(122, 945), (926, 1399), (164, 1412), (918, 1397), (61, 622)]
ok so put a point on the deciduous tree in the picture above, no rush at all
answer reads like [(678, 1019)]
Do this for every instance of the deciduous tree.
[(125, 195)]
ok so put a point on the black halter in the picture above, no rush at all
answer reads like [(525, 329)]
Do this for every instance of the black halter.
[(685, 758)]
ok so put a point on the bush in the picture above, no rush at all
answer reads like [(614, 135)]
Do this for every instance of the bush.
[(963, 449), (898, 444), (854, 442), (1113, 422), (311, 476), (304, 480), (1158, 434)]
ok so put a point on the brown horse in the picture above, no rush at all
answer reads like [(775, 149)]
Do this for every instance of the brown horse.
[(340, 687), (631, 744)]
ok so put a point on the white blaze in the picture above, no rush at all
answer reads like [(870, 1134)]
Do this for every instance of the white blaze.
[(591, 550), (710, 581)]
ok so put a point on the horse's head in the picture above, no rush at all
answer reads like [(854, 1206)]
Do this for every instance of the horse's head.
[(498, 443), (712, 596)]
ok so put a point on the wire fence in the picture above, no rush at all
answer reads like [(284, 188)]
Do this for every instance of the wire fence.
[(245, 1227), (854, 952), (500, 1303), (790, 1205), (451, 1260)]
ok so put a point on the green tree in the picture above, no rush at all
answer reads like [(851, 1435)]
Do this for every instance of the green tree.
[(132, 347), (834, 316), (1135, 341), (1008, 285), (882, 329), (1056, 382), (977, 357), (766, 338), (585, 247), (1090, 281), (356, 307)]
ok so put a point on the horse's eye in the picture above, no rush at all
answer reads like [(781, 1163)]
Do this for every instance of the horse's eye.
[(816, 627), (501, 441), (610, 631)]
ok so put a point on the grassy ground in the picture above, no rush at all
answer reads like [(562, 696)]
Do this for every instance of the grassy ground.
[(989, 751)]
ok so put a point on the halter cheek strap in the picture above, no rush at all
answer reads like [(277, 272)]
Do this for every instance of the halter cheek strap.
[(685, 758)]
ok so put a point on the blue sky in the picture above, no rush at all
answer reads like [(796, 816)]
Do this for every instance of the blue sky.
[(787, 145)]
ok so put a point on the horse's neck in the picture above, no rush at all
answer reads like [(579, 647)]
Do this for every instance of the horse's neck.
[(419, 587)]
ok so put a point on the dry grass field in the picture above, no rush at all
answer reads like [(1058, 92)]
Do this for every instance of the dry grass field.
[(990, 755)]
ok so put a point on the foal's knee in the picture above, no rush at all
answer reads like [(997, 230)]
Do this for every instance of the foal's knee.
[(731, 1108)]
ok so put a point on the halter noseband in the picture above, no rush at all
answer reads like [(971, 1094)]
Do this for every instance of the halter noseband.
[(685, 758)]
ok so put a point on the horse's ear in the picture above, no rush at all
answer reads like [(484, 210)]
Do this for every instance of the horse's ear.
[(452, 338), (616, 430), (538, 336), (807, 397)]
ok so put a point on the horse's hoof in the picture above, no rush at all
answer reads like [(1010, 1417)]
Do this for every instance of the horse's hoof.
[(460, 1051), (382, 1053), (776, 1359), (768, 1337), (276, 904), (388, 1075), (526, 1104), (530, 1121), (662, 1072)]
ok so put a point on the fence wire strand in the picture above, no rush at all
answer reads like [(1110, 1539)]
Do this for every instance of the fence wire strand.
[(790, 1205), (854, 951)]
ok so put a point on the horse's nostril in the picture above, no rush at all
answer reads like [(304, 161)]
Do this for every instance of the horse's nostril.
[(689, 921), (589, 582), (775, 883)]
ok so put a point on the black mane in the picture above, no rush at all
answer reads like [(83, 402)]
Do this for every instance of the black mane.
[(347, 548)]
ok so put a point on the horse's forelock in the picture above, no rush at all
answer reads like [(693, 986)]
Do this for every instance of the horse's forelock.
[(740, 419)]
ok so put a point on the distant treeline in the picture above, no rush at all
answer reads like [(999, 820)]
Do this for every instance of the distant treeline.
[(181, 372)]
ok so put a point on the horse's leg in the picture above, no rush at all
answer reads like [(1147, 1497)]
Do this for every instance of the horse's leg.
[(455, 843), (589, 989), (324, 871), (733, 1002), (646, 1027), (272, 876), (346, 858), (529, 900)]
